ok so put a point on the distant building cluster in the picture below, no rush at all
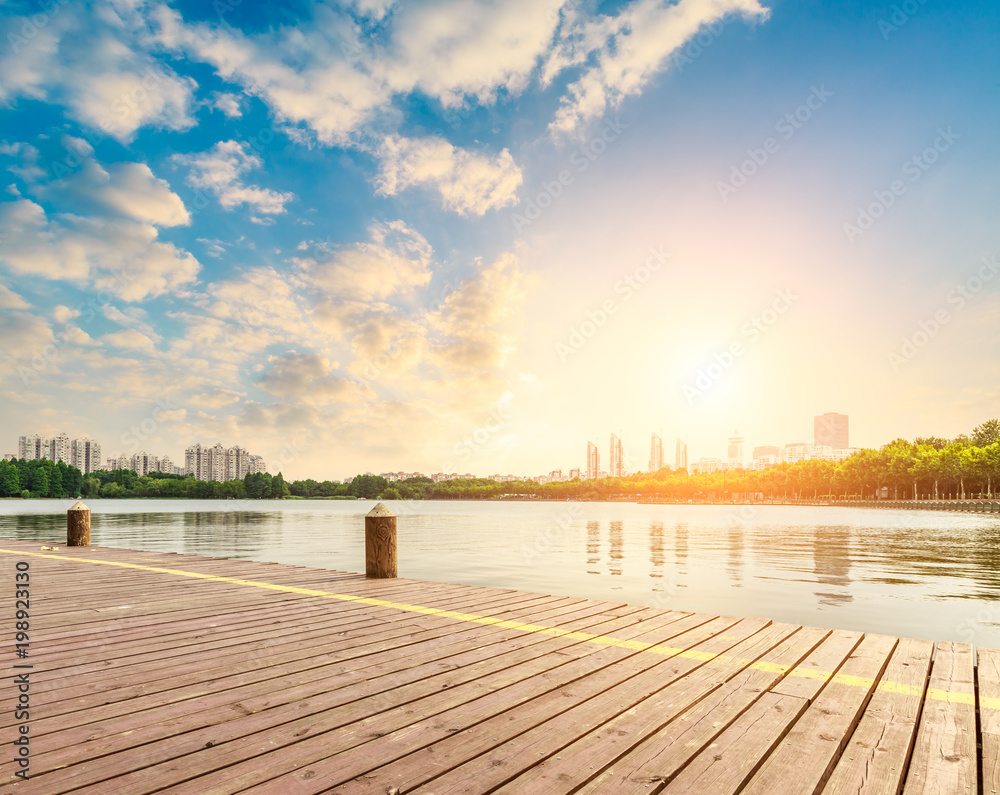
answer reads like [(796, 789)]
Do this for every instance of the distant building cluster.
[(204, 463), (83, 453), (143, 463), (221, 463)]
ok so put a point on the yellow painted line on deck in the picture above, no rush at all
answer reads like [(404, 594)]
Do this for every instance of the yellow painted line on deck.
[(586, 637)]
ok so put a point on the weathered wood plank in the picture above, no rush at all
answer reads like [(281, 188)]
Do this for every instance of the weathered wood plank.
[(945, 759), (542, 728), (674, 742), (988, 678), (803, 761), (875, 759), (399, 731), (733, 757)]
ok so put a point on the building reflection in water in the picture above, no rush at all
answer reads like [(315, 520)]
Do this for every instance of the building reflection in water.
[(681, 545), (593, 547), (616, 551), (656, 556), (832, 564), (735, 555)]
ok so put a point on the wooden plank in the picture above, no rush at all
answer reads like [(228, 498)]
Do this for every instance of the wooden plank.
[(242, 735), (732, 758), (212, 699), (803, 761), (517, 739), (681, 725), (988, 679), (400, 729), (945, 759), (875, 759)]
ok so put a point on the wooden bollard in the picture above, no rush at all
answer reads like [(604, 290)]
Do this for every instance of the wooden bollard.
[(78, 526), (380, 542)]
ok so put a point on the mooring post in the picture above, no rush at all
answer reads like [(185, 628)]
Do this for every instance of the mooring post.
[(78, 526), (380, 542)]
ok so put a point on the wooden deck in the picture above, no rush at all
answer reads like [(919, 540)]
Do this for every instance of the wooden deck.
[(173, 673)]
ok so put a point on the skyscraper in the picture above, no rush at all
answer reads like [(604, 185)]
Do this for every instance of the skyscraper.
[(735, 450), (593, 461), (831, 430), (681, 455), (615, 468), (655, 453), (85, 454)]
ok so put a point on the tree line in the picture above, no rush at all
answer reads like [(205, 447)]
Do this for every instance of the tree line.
[(965, 467)]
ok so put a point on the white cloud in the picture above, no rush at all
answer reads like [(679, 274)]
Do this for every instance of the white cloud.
[(394, 262), (471, 318), (122, 256), (629, 49), (308, 378), (96, 65), (11, 300), (63, 314), (230, 104), (468, 182), (219, 171), (218, 398), (129, 339)]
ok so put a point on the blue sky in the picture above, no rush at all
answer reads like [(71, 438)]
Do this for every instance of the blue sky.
[(469, 236)]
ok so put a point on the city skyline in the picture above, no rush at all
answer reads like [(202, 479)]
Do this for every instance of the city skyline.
[(501, 228)]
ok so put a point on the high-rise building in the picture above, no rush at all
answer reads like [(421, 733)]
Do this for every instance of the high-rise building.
[(85, 454), (219, 463), (30, 448), (237, 463), (655, 453), (257, 465), (142, 463), (831, 430), (766, 450), (35, 448), (681, 455), (798, 451), (59, 448), (735, 449), (593, 461), (615, 464)]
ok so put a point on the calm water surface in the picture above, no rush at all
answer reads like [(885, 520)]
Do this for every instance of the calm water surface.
[(918, 574)]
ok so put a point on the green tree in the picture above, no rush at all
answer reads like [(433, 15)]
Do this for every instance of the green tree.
[(91, 487), (40, 482), (112, 490), (10, 481), (986, 434)]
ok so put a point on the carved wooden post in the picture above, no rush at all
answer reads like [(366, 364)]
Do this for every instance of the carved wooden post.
[(78, 526), (380, 542)]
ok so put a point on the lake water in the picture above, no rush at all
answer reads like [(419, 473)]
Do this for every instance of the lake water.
[(920, 574)]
